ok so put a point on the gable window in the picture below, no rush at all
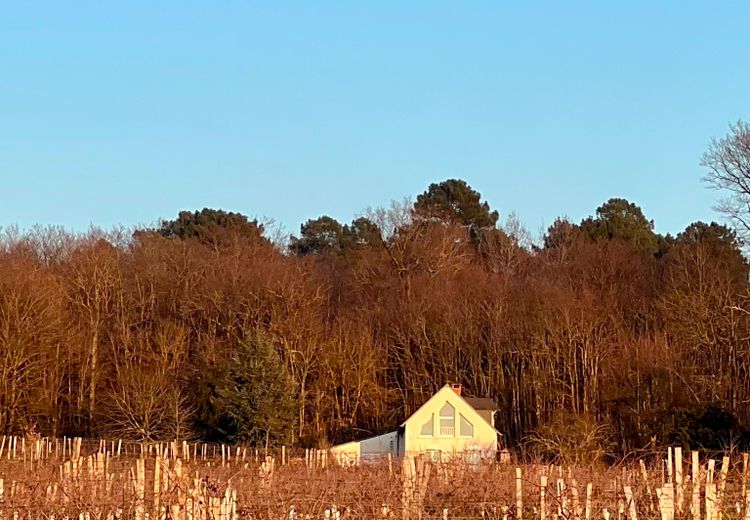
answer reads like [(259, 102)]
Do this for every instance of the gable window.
[(466, 429), (428, 428), (447, 420)]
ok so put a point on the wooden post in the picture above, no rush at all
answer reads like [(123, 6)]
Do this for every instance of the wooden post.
[(710, 472), (649, 495), (140, 489), (519, 495), (696, 478), (542, 502), (589, 489), (408, 474), (710, 501), (157, 486), (722, 480), (632, 515), (666, 501), (669, 465), (181, 485), (678, 476), (574, 497), (562, 508)]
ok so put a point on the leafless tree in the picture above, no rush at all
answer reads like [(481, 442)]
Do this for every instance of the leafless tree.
[(728, 163)]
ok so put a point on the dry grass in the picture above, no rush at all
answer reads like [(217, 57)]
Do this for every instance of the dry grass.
[(107, 487)]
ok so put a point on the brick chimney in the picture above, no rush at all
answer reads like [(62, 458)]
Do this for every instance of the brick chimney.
[(457, 389)]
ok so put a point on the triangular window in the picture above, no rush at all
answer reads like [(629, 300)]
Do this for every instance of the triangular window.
[(428, 428), (466, 428)]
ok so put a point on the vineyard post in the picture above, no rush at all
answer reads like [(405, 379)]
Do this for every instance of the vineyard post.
[(696, 478), (157, 484), (744, 474), (649, 495), (519, 495), (574, 496), (632, 515), (140, 489), (670, 465), (678, 476), (722, 480), (710, 491)]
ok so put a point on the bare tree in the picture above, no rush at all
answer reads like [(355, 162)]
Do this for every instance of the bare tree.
[(146, 404), (728, 163)]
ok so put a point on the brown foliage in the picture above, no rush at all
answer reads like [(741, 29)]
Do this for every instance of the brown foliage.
[(93, 327)]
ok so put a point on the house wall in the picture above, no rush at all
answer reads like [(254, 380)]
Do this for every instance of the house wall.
[(369, 448), (380, 445), (487, 415), (349, 452), (484, 439)]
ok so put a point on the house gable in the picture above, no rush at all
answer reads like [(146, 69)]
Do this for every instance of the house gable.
[(445, 394), (446, 425)]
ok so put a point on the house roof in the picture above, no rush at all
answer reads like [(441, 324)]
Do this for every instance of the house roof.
[(482, 404)]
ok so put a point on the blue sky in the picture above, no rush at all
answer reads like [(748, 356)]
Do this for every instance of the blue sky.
[(127, 112)]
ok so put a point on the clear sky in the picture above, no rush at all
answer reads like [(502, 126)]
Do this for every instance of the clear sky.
[(127, 112)]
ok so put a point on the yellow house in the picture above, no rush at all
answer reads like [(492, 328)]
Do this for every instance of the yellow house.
[(446, 426)]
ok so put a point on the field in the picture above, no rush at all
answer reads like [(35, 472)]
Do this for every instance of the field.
[(71, 478)]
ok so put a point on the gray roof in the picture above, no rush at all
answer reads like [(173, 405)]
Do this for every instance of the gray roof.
[(482, 403)]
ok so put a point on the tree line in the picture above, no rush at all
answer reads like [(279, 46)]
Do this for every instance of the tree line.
[(602, 334)]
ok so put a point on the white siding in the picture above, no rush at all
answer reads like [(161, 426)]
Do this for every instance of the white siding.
[(369, 448)]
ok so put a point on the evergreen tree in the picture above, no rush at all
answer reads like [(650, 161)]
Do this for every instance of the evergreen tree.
[(257, 394), (622, 220), (321, 235), (212, 226), (454, 201)]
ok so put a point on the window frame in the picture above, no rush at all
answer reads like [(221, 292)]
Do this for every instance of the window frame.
[(462, 416), (442, 417), (428, 436)]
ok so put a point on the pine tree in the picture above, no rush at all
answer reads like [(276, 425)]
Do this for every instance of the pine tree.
[(257, 395)]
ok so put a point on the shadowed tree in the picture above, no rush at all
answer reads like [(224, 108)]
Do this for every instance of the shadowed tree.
[(454, 201), (713, 234), (257, 396), (214, 227), (622, 220), (363, 232), (326, 235), (560, 234), (321, 235)]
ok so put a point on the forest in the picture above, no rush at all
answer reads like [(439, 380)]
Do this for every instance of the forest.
[(600, 336)]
